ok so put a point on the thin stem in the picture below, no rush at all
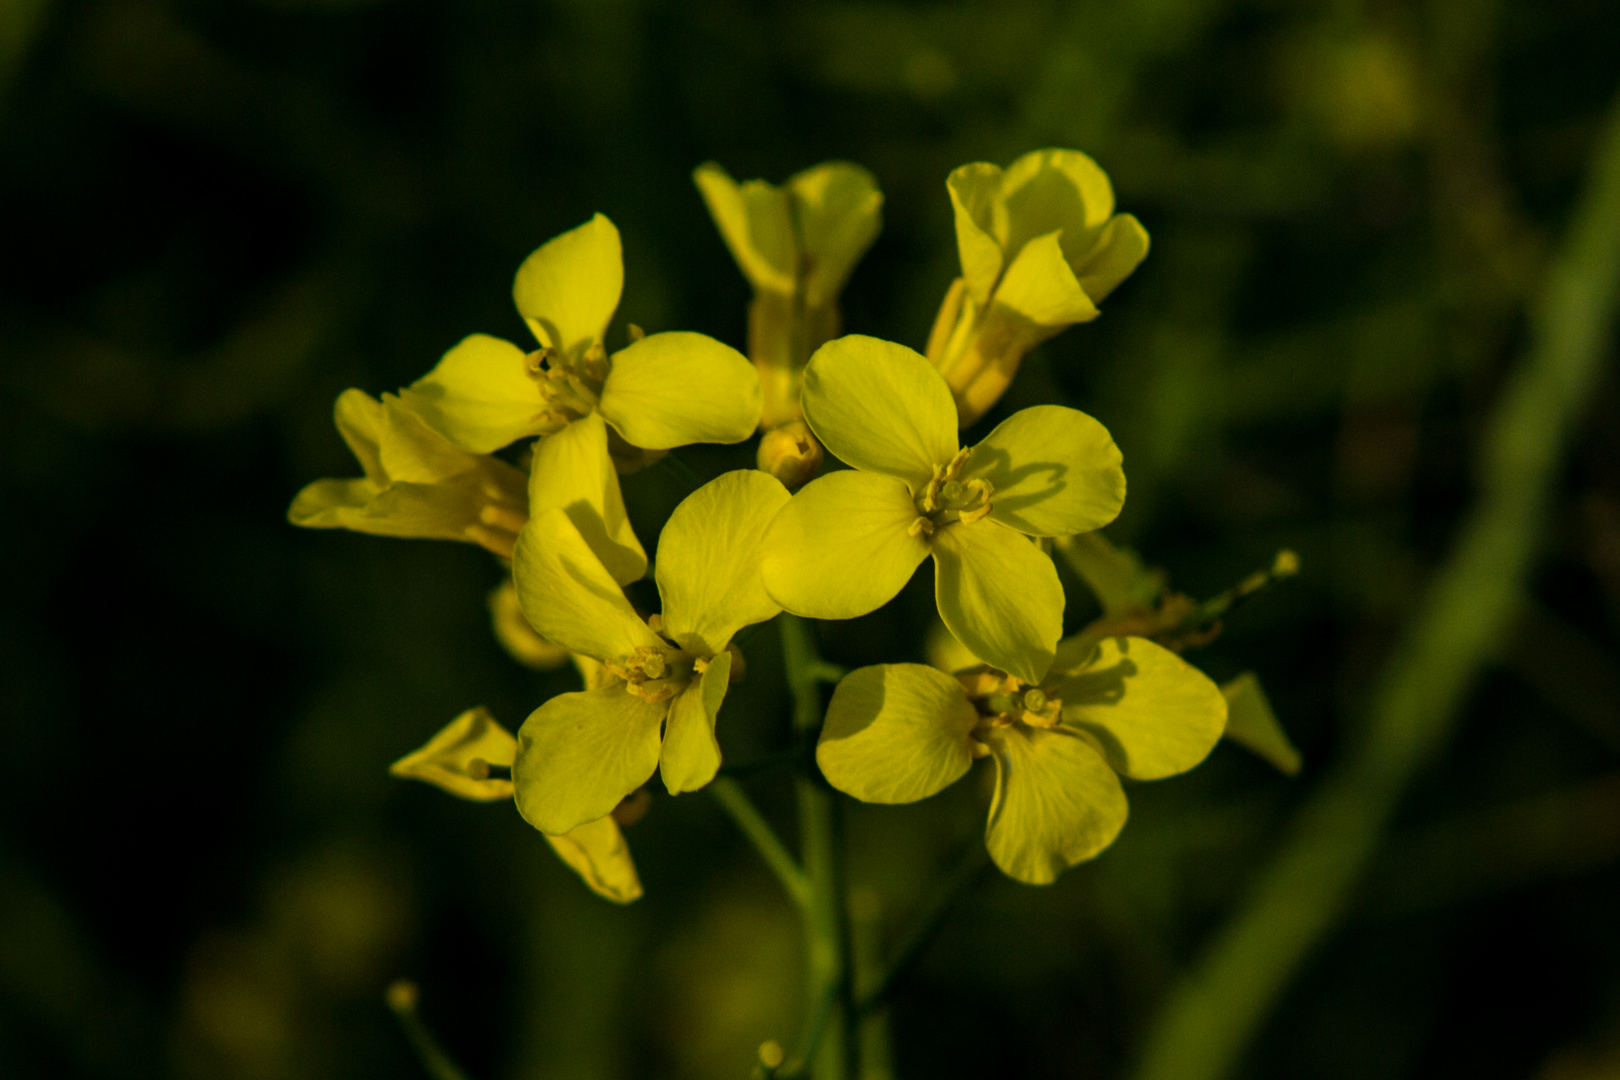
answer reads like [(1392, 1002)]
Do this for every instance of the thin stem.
[(402, 998), (681, 469), (735, 802), (825, 920), (934, 910), (1308, 886)]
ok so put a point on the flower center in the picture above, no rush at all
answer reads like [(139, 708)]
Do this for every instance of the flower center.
[(570, 387), (948, 498), (1004, 700), (655, 673)]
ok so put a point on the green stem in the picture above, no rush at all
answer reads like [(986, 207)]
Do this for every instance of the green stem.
[(402, 998), (1219, 1004), (735, 801), (829, 1049), (934, 910)]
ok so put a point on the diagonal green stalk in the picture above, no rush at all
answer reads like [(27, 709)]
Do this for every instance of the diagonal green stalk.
[(402, 997), (1217, 1007), (735, 801)]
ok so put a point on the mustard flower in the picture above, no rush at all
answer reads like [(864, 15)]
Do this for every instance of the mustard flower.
[(579, 754), (797, 245), (458, 760), (416, 483), (662, 391), (1041, 247), (848, 542), (896, 733)]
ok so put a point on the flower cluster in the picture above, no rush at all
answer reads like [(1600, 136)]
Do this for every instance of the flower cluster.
[(520, 451)]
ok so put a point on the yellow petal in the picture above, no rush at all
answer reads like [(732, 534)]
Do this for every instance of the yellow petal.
[(1121, 247), (1251, 723), (880, 406), (753, 220), (480, 395), (413, 452), (457, 759), (974, 191), (569, 597), (838, 208), (673, 389), (1153, 714), (331, 504), (515, 634), (573, 472), (1000, 595), (1049, 190), (709, 556), (691, 754), (1057, 803), (841, 546), (1055, 472), (568, 289), (1040, 287), (359, 420), (596, 851), (579, 754), (896, 733)]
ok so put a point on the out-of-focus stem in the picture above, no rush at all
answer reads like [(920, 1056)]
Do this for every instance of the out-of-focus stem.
[(735, 801), (1217, 1007), (402, 997), (829, 1046)]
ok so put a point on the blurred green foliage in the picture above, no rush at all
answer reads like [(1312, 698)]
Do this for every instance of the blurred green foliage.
[(221, 214)]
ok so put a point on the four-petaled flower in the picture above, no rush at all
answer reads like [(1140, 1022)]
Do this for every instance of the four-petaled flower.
[(849, 541), (662, 391), (579, 754), (1041, 246), (458, 760), (416, 483), (897, 733)]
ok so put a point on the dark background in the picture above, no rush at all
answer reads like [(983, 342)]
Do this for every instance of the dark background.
[(218, 215)]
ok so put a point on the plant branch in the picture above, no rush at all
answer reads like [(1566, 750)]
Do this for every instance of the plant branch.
[(1218, 1005), (403, 997), (935, 908), (736, 803)]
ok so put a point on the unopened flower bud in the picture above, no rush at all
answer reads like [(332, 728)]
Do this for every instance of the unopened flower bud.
[(791, 454)]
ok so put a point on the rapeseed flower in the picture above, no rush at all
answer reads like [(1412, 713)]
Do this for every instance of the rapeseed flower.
[(1040, 246), (896, 733), (579, 754), (458, 760), (849, 541), (797, 245), (662, 391), (416, 483)]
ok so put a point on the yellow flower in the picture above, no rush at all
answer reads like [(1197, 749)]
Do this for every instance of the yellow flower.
[(662, 391), (458, 760), (515, 634), (797, 245), (416, 483), (848, 542), (1041, 246), (580, 754), (897, 733)]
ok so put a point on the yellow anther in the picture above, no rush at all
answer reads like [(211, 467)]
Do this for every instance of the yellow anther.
[(921, 527), (700, 665), (977, 748)]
